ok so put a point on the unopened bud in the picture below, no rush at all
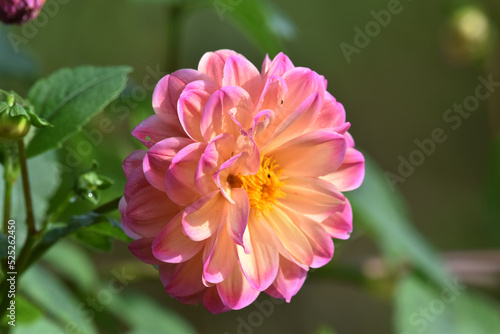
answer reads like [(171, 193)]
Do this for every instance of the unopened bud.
[(16, 116), (20, 11)]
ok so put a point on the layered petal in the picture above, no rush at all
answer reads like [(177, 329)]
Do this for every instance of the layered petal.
[(314, 197), (235, 291), (154, 129), (351, 173), (172, 245), (311, 155), (158, 158), (261, 264), (339, 224)]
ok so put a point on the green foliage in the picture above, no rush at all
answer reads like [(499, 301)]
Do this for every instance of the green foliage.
[(55, 299), (69, 98), (72, 263), (424, 308), (144, 315), (261, 20), (382, 214)]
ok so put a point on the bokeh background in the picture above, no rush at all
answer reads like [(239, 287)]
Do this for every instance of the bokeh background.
[(395, 91)]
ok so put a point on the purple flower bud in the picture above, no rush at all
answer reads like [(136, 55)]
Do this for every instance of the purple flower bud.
[(19, 11)]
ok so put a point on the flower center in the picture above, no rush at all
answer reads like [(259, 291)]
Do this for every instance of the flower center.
[(263, 188)]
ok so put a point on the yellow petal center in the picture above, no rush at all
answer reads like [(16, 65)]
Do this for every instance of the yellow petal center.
[(263, 188)]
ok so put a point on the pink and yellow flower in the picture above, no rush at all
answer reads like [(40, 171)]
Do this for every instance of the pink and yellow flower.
[(240, 188)]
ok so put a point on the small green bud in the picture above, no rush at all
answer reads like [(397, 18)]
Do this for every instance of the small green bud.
[(13, 127), (89, 185), (16, 117)]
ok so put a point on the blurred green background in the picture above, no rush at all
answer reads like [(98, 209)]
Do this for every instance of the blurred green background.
[(395, 90)]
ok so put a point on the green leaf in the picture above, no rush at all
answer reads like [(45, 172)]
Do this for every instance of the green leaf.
[(423, 308), (110, 228), (144, 315), (382, 214), (94, 241), (44, 176), (49, 293), (42, 325), (261, 20), (69, 98), (58, 231), (26, 312), (98, 236), (73, 263)]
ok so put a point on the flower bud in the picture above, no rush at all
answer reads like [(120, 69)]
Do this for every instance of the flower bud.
[(89, 185), (19, 11), (13, 128), (16, 116)]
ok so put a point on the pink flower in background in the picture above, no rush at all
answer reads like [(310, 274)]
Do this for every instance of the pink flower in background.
[(20, 11), (240, 188)]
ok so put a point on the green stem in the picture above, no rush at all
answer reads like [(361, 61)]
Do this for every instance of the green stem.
[(174, 27), (30, 218), (7, 198)]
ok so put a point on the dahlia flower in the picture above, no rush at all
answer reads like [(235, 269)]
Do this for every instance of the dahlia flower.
[(20, 11), (239, 189)]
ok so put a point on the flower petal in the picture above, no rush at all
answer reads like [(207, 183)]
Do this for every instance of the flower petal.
[(235, 291), (261, 265), (279, 66), (148, 210), (321, 242), (351, 173), (331, 115), (169, 88), (312, 196), (238, 71), (133, 161), (297, 122), (238, 217), (142, 249), (216, 152), (213, 302), (153, 129), (221, 258), (228, 110), (212, 64), (289, 280), (313, 154), (292, 238), (179, 180), (159, 157), (172, 245), (339, 224), (186, 278), (203, 218), (190, 106)]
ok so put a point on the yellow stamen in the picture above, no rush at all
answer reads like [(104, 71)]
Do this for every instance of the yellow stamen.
[(263, 188)]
